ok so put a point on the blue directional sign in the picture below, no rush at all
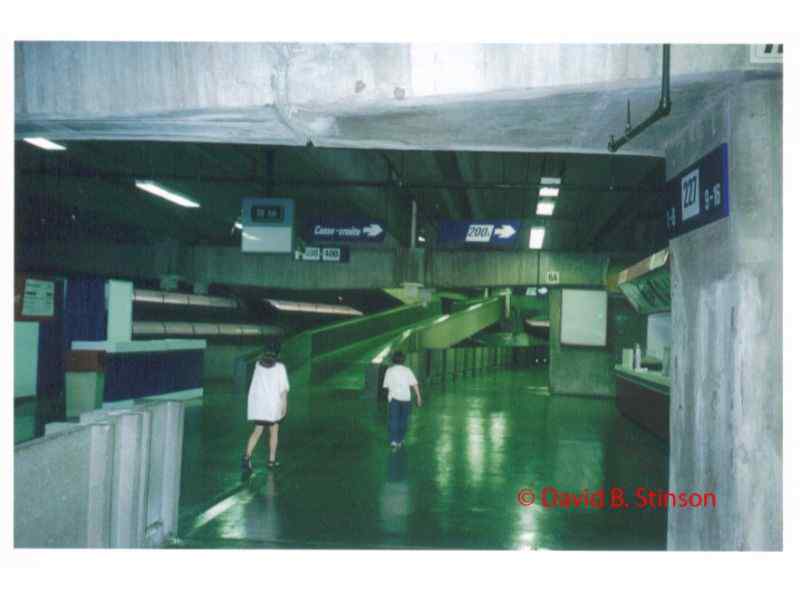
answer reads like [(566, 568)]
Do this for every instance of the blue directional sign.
[(346, 230), (698, 195), (499, 234)]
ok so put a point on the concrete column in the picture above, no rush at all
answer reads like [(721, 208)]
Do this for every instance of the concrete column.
[(166, 452), (725, 410), (128, 493)]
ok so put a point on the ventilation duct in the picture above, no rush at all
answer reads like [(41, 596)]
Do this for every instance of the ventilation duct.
[(184, 329), (178, 299)]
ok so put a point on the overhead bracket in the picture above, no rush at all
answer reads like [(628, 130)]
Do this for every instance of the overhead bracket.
[(663, 109)]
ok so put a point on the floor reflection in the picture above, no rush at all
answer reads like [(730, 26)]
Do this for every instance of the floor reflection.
[(453, 485)]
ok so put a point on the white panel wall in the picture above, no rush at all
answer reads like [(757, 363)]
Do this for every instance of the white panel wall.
[(119, 295), (659, 334), (26, 355)]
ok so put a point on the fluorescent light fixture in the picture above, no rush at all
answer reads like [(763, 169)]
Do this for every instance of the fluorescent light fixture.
[(312, 307), (548, 192), (155, 189), (421, 239), (537, 238), (238, 225), (44, 144), (545, 208)]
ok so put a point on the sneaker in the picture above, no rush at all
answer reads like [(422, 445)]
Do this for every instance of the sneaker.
[(273, 463)]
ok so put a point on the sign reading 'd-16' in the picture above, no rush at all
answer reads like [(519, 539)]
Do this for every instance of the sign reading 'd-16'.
[(479, 233), (698, 195), (346, 230)]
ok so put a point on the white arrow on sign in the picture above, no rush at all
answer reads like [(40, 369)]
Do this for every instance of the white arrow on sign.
[(504, 232), (374, 230)]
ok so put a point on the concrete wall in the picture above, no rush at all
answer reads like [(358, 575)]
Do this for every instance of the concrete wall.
[(367, 269), (725, 414), (62, 489), (111, 481)]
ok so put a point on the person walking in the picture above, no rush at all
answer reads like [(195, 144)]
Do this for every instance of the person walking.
[(399, 380), (267, 404)]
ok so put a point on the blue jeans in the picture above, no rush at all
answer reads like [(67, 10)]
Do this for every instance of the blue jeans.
[(398, 419)]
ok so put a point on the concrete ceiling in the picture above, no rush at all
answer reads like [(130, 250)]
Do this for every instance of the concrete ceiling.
[(533, 98), (467, 130)]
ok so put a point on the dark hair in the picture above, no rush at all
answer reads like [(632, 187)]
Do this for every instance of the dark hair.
[(398, 358), (268, 359)]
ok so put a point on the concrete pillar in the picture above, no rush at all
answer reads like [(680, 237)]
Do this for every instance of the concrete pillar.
[(725, 410), (129, 488), (166, 452)]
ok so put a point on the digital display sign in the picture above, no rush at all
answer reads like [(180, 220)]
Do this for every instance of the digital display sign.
[(266, 214)]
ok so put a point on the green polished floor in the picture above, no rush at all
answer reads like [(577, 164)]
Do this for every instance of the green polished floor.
[(469, 450)]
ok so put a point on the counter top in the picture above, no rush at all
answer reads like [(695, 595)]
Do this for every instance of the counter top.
[(128, 347), (652, 379)]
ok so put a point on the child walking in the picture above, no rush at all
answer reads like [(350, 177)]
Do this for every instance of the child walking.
[(400, 380), (267, 403)]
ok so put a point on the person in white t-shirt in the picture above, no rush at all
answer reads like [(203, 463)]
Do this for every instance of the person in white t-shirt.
[(267, 403), (399, 380)]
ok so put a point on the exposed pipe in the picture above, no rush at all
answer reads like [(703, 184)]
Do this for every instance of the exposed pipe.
[(664, 106), (413, 243), (186, 329), (180, 299)]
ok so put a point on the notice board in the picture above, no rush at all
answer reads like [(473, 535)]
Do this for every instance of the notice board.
[(584, 317)]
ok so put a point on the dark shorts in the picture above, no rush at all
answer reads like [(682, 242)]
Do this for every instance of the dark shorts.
[(268, 423)]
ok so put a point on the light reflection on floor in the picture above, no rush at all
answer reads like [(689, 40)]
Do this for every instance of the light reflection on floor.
[(470, 449)]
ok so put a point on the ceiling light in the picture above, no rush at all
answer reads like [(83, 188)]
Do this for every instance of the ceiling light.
[(44, 144), (537, 238), (548, 192), (421, 239), (312, 307), (238, 225), (545, 208), (155, 189)]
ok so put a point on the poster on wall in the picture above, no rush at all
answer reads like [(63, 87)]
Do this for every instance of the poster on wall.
[(584, 317), (34, 298)]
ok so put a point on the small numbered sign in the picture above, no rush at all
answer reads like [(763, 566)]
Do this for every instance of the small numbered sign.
[(699, 194), (330, 254), (690, 205), (479, 233)]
